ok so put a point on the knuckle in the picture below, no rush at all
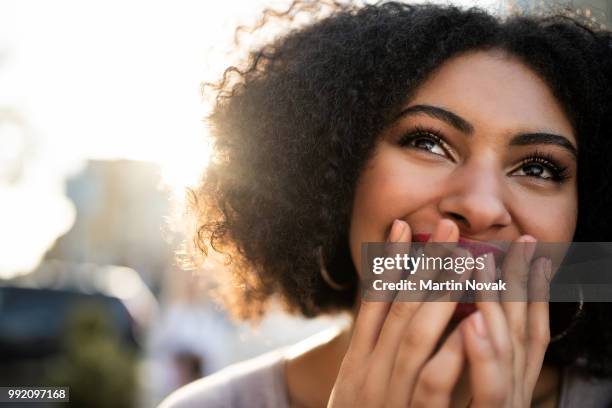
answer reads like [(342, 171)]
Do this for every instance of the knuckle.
[(541, 337), (400, 310), (505, 347), (369, 402), (432, 383), (352, 376), (414, 340), (349, 363), (520, 335), (402, 364), (355, 386), (494, 395), (347, 379), (486, 356), (369, 394)]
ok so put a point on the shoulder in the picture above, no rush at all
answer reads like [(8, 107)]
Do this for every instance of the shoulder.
[(580, 389), (259, 382)]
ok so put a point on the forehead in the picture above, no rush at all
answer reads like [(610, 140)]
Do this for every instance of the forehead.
[(495, 92)]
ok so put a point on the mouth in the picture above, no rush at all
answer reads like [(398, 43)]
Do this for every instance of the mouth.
[(463, 310), (476, 248)]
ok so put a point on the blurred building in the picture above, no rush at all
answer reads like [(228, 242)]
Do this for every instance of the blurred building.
[(120, 220)]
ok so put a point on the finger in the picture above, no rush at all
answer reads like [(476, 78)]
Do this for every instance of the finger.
[(434, 254), (487, 275), (488, 382), (538, 322), (495, 318), (401, 312), (509, 358), (440, 374), (540, 276), (419, 336), (515, 271), (462, 396), (440, 248), (454, 293), (371, 314), (367, 327), (398, 244)]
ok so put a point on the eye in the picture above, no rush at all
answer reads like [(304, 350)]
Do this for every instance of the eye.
[(425, 140), (535, 170), (543, 167)]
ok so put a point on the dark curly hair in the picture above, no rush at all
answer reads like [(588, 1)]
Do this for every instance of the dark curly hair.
[(294, 126)]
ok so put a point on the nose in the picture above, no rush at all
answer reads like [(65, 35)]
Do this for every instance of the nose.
[(474, 200)]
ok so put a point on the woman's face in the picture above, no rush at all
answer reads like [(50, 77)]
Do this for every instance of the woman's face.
[(483, 142)]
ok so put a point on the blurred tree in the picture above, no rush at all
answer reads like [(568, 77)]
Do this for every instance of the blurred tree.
[(592, 13), (98, 368)]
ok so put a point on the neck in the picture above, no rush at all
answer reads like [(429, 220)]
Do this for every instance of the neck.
[(312, 369)]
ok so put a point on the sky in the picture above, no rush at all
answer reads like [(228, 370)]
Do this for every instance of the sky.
[(86, 80)]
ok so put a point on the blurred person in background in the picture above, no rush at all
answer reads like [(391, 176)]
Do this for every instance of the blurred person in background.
[(384, 122)]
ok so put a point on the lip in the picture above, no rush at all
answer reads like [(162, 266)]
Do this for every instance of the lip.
[(475, 247), (463, 310)]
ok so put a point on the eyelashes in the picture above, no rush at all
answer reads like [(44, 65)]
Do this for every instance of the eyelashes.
[(432, 137), (558, 172), (538, 165)]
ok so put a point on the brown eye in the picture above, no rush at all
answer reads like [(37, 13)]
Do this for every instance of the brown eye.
[(426, 144), (424, 141), (542, 166), (535, 170)]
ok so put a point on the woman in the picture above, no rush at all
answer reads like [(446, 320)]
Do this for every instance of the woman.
[(395, 122)]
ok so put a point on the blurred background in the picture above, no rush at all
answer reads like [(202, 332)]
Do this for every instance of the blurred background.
[(101, 131)]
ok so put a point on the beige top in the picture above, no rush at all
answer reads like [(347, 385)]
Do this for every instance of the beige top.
[(260, 382)]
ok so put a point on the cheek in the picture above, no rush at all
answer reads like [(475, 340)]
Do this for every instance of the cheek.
[(390, 187), (549, 219)]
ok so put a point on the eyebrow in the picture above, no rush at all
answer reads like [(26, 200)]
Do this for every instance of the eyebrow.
[(466, 127), (435, 112), (544, 138)]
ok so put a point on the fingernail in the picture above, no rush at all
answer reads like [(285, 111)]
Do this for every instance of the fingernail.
[(443, 232), (397, 229), (479, 324), (490, 267), (528, 248), (548, 269)]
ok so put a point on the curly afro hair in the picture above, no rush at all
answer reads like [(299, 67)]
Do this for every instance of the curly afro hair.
[(294, 127)]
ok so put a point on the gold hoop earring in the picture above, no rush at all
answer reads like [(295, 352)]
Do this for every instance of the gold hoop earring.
[(325, 273), (573, 322)]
